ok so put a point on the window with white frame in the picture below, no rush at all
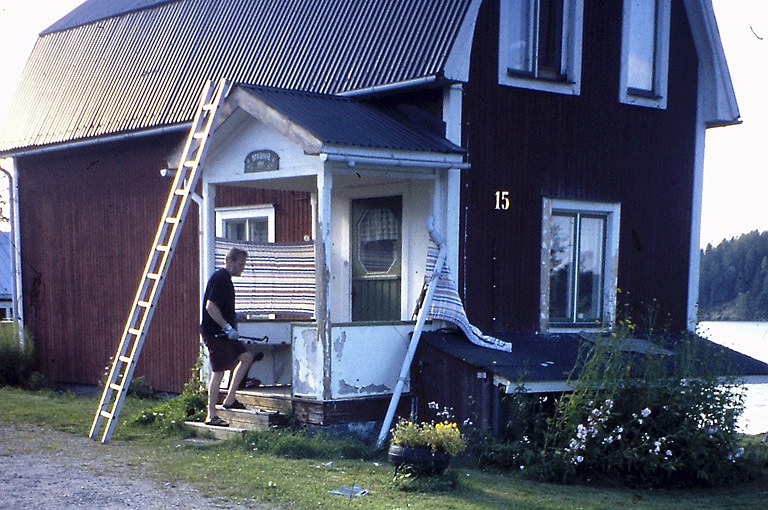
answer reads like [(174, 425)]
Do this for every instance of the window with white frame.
[(254, 224), (579, 264), (540, 44), (645, 53)]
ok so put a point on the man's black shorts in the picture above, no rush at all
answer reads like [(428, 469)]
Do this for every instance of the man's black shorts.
[(223, 352)]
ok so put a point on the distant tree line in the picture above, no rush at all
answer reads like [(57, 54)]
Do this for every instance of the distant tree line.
[(733, 283)]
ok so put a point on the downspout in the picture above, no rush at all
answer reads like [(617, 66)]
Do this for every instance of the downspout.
[(422, 318), (16, 304)]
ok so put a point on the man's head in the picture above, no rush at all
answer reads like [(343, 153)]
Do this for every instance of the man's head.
[(235, 261)]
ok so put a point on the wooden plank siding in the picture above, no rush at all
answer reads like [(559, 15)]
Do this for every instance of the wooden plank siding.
[(587, 147), (88, 220)]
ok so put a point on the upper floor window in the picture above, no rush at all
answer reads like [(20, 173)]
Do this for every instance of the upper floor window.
[(255, 224), (540, 44), (645, 53), (579, 264)]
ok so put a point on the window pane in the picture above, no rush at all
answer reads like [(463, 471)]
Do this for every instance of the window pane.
[(550, 38), (591, 255), (377, 232), (258, 230), (521, 35), (561, 267), (235, 230), (642, 44)]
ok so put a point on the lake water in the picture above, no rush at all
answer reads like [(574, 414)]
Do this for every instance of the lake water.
[(750, 338)]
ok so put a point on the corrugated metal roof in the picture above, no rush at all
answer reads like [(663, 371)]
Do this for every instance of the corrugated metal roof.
[(94, 10), (345, 121), (144, 68)]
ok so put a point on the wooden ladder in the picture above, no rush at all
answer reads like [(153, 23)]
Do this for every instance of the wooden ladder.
[(158, 261)]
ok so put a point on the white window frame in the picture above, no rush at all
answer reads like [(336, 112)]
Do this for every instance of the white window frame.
[(247, 212), (657, 97), (612, 213), (573, 22)]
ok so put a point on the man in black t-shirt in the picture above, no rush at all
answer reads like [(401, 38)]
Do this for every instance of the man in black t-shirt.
[(218, 331)]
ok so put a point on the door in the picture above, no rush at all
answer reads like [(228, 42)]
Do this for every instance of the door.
[(376, 253)]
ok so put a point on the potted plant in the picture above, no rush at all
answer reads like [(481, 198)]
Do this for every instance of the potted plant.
[(426, 447)]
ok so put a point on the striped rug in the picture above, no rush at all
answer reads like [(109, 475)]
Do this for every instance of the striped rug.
[(447, 305), (279, 278)]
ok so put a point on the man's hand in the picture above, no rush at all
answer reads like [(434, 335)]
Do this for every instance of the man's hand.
[(231, 332)]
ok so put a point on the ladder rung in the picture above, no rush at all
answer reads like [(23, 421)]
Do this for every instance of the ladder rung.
[(163, 247), (208, 107), (190, 163), (116, 387), (134, 331), (172, 220), (124, 359), (153, 276), (106, 414), (199, 135), (144, 304), (181, 191)]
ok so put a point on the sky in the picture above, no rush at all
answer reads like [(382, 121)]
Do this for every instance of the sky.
[(735, 169)]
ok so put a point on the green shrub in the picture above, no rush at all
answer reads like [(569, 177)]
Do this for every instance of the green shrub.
[(659, 420), (16, 362), (170, 415)]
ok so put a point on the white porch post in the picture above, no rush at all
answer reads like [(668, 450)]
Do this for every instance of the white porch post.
[(207, 256), (323, 273), (452, 114)]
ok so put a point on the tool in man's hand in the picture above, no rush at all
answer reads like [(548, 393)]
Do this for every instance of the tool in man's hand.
[(247, 339)]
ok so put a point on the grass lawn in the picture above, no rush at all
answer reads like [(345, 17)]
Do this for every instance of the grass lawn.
[(241, 470)]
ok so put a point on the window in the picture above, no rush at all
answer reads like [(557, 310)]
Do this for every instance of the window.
[(579, 264), (540, 44), (253, 224), (645, 53)]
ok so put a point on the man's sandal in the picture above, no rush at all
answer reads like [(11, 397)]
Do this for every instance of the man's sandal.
[(234, 405), (217, 422)]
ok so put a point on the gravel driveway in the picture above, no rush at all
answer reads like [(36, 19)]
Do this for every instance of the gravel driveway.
[(45, 469)]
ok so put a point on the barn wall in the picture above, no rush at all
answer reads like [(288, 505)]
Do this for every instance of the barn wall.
[(587, 147), (88, 218)]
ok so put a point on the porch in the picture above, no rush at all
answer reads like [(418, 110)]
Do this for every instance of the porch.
[(339, 325)]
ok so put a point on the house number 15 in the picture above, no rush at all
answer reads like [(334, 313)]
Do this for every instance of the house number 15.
[(502, 200)]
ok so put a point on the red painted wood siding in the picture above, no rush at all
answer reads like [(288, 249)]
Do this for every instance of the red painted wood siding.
[(88, 219), (586, 147)]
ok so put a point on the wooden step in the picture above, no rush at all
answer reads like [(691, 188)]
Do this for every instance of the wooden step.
[(203, 430), (251, 419), (265, 398)]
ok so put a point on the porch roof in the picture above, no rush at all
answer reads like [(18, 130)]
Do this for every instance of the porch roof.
[(543, 362), (327, 120)]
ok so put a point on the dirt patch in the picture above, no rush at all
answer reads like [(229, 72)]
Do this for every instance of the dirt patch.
[(53, 470)]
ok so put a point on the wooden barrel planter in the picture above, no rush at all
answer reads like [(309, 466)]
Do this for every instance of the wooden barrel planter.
[(422, 460)]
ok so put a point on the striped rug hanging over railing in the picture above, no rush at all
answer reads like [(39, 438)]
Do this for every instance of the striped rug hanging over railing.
[(446, 305), (279, 278)]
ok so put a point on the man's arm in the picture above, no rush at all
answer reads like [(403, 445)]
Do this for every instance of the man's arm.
[(215, 312)]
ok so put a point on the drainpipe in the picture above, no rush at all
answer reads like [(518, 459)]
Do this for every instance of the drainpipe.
[(423, 312), (16, 305)]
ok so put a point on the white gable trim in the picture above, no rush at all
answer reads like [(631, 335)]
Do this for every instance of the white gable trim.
[(719, 107)]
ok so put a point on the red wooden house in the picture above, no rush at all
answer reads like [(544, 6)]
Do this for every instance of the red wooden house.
[(558, 144)]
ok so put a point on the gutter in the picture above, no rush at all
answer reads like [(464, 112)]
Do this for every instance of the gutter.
[(98, 140), (390, 87)]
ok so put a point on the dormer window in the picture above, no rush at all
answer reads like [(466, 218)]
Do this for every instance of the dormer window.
[(645, 53), (540, 44)]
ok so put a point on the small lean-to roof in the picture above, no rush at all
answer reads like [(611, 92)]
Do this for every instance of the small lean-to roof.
[(544, 362), (117, 66), (332, 120)]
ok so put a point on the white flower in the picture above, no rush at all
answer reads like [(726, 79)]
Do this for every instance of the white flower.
[(645, 412), (579, 459), (668, 453)]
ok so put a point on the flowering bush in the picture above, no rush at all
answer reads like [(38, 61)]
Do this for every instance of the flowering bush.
[(659, 420), (443, 437)]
